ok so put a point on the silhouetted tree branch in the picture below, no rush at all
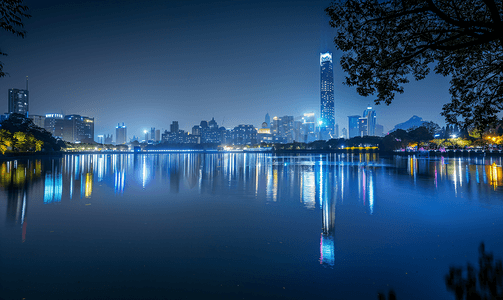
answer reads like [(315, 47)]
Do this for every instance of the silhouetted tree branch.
[(385, 41), (12, 13)]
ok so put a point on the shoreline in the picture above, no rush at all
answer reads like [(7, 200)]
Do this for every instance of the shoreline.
[(421, 154)]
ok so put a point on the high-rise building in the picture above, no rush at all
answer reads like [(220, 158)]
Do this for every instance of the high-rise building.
[(363, 127), (244, 135), (38, 120), (327, 111), (54, 123), (174, 127), (344, 133), (88, 136), (120, 134), (353, 126), (19, 101), (152, 134), (268, 120), (379, 130), (78, 129), (158, 135), (371, 117), (109, 139), (282, 129)]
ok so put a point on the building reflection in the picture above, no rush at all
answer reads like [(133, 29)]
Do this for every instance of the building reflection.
[(17, 180), (317, 183)]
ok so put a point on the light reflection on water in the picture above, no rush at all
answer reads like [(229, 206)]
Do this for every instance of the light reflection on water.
[(319, 182)]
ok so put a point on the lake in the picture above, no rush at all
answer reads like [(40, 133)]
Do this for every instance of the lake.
[(243, 225)]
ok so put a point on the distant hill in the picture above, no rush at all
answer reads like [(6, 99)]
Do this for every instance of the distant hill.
[(415, 121)]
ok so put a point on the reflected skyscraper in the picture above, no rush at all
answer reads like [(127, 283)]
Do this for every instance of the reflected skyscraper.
[(327, 110)]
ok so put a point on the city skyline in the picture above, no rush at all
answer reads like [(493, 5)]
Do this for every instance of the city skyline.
[(82, 62)]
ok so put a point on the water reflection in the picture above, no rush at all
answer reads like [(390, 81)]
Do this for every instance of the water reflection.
[(316, 182)]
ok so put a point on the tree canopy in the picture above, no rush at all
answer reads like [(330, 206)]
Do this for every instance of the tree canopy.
[(29, 132), (384, 41), (12, 13)]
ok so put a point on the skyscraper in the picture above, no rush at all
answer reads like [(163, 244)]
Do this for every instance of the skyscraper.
[(78, 129), (327, 110), (174, 127), (19, 100), (152, 134), (371, 117), (353, 126), (120, 134)]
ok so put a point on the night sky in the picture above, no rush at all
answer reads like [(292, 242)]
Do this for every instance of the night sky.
[(147, 63)]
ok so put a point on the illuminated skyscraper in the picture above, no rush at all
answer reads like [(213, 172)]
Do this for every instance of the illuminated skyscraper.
[(371, 117), (327, 110), (19, 100), (353, 126), (120, 134)]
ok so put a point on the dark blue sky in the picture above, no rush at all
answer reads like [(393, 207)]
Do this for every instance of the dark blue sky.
[(147, 63)]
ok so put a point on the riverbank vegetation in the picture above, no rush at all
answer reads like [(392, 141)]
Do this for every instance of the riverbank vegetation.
[(18, 134)]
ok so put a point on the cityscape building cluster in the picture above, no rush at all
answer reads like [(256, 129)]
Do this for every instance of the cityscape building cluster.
[(285, 129)]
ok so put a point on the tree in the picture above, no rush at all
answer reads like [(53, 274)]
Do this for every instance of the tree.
[(398, 139), (5, 140), (19, 123), (490, 279), (420, 134), (432, 127), (384, 41), (12, 13)]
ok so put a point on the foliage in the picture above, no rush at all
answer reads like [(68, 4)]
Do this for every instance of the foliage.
[(420, 134), (385, 41), (490, 279), (494, 139), (19, 142), (11, 14), (19, 123), (431, 127), (5, 140), (398, 139), (461, 142)]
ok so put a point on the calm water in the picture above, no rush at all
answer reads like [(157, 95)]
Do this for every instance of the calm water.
[(243, 226)]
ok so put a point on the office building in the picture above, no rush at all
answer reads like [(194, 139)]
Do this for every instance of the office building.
[(109, 139), (78, 129), (264, 134), (371, 117), (282, 129), (39, 121), (379, 130), (353, 129), (308, 128), (19, 100), (244, 135), (363, 127), (120, 134), (174, 127), (344, 133), (152, 134), (327, 110), (54, 123)]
